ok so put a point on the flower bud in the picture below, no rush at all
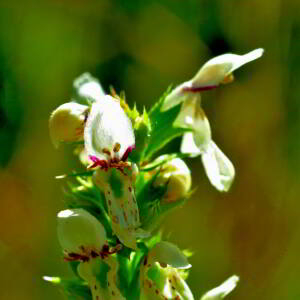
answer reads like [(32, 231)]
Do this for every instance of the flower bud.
[(79, 231), (223, 290), (168, 254), (66, 123), (177, 176)]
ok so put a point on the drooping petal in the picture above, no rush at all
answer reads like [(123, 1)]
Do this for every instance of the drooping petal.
[(217, 69), (80, 232), (66, 123), (223, 290), (192, 116), (168, 254), (108, 132), (188, 145), (219, 169)]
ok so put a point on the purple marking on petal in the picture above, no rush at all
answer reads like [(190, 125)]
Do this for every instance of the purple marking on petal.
[(94, 158), (127, 152), (199, 89)]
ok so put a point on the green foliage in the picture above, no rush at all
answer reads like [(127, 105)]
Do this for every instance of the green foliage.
[(163, 130)]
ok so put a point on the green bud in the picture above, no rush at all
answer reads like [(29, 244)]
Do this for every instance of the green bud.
[(80, 232), (142, 129), (177, 176), (66, 123)]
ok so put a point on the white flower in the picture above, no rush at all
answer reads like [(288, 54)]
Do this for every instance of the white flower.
[(83, 239), (223, 290), (163, 260), (215, 71), (80, 233), (66, 123), (217, 166), (108, 134)]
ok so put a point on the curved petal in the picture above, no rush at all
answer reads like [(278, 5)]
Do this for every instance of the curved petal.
[(176, 96), (169, 254), (218, 168), (79, 231), (217, 69), (192, 116), (223, 290), (108, 132)]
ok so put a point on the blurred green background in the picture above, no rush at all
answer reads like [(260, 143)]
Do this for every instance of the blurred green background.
[(142, 47)]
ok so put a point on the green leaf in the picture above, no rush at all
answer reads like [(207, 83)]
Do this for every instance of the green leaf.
[(75, 288), (163, 130)]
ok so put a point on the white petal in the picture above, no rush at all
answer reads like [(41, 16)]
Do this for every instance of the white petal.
[(168, 253), (77, 228), (192, 116), (218, 168), (176, 96), (215, 70), (88, 87), (223, 290), (107, 125)]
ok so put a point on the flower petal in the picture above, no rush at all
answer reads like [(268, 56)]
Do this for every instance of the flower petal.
[(218, 168), (223, 290), (217, 69), (88, 87), (168, 253), (77, 228), (192, 116), (176, 96), (107, 127)]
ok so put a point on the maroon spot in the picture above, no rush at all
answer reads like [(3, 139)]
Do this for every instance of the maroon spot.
[(199, 89)]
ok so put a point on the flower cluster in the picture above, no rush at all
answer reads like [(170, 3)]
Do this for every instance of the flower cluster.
[(126, 189)]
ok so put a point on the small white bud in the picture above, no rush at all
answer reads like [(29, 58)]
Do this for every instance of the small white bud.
[(176, 174), (66, 123)]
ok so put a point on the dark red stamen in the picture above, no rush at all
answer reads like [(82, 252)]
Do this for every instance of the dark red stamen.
[(127, 152)]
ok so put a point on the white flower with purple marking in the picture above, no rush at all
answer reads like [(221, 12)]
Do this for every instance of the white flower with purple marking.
[(214, 72), (108, 134), (218, 167)]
